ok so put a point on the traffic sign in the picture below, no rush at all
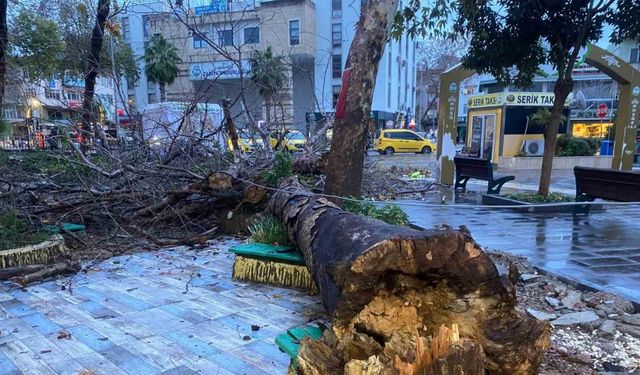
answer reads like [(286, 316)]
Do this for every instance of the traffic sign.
[(602, 111)]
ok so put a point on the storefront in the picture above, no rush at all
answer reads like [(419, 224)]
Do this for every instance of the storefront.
[(500, 124)]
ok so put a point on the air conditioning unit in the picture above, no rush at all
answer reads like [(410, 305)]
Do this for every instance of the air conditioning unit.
[(533, 147)]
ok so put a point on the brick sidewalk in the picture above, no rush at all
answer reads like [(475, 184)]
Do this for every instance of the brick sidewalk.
[(601, 250), (169, 312)]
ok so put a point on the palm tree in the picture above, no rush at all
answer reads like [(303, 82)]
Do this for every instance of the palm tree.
[(542, 118), (269, 75), (161, 62)]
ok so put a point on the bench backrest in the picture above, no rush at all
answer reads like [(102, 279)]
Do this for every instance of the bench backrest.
[(610, 184), (474, 168)]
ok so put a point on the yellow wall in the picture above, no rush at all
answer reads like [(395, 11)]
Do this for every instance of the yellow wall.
[(513, 142), (496, 141)]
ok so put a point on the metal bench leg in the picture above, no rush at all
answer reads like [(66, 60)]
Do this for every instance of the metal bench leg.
[(461, 183), (494, 188), (582, 208)]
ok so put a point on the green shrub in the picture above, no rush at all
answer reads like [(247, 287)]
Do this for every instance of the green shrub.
[(14, 232), (570, 146), (269, 230), (282, 167), (594, 143), (535, 198), (390, 214)]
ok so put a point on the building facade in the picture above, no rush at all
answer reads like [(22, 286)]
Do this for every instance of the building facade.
[(394, 94), (216, 43), (217, 40), (49, 106)]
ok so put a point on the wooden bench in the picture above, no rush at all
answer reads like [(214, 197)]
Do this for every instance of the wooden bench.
[(609, 184), (480, 169)]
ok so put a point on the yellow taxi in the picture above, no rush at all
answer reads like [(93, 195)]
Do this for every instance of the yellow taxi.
[(291, 141), (246, 143), (390, 141)]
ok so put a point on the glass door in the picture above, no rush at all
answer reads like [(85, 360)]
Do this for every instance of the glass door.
[(483, 129), (489, 136)]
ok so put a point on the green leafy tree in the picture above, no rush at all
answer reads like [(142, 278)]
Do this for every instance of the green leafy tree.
[(162, 59), (269, 75), (36, 44), (509, 39), (543, 116)]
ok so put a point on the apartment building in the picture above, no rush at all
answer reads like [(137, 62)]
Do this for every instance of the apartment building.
[(42, 105), (394, 94), (216, 43)]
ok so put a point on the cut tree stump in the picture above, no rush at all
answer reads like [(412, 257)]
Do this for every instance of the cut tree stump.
[(389, 288)]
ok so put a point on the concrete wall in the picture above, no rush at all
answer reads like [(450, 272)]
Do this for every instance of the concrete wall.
[(559, 162)]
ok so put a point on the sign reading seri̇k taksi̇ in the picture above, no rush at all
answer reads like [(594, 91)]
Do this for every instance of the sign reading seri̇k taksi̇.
[(539, 99)]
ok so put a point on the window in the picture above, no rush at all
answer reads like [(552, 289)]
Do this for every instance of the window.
[(125, 28), (199, 42), (10, 111), (151, 86), (406, 48), (336, 66), (252, 35), (336, 8), (294, 32), (634, 57), (52, 94), (336, 94), (73, 95), (389, 93), (336, 34), (225, 37), (152, 98)]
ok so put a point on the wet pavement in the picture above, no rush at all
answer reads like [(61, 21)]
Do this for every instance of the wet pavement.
[(601, 250), (173, 311)]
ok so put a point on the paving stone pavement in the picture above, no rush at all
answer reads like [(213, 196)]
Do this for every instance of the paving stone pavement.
[(601, 250), (173, 311)]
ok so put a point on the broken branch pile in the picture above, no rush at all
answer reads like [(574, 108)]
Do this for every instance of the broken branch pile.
[(390, 291)]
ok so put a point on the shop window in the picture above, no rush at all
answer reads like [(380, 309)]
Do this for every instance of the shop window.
[(294, 32), (225, 37), (252, 35), (336, 66)]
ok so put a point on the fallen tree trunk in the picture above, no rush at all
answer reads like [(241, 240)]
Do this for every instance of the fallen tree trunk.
[(388, 287), (7, 273), (51, 270)]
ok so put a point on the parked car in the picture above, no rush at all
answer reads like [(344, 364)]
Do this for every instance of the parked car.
[(246, 142), (291, 141), (390, 141)]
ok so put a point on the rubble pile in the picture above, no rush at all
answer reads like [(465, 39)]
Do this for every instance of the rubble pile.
[(593, 331)]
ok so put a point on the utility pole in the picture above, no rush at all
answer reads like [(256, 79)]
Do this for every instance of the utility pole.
[(115, 84)]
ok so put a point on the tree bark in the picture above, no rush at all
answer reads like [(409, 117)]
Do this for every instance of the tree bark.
[(348, 145), (163, 93), (383, 284), (231, 130), (3, 48), (562, 88), (93, 64)]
